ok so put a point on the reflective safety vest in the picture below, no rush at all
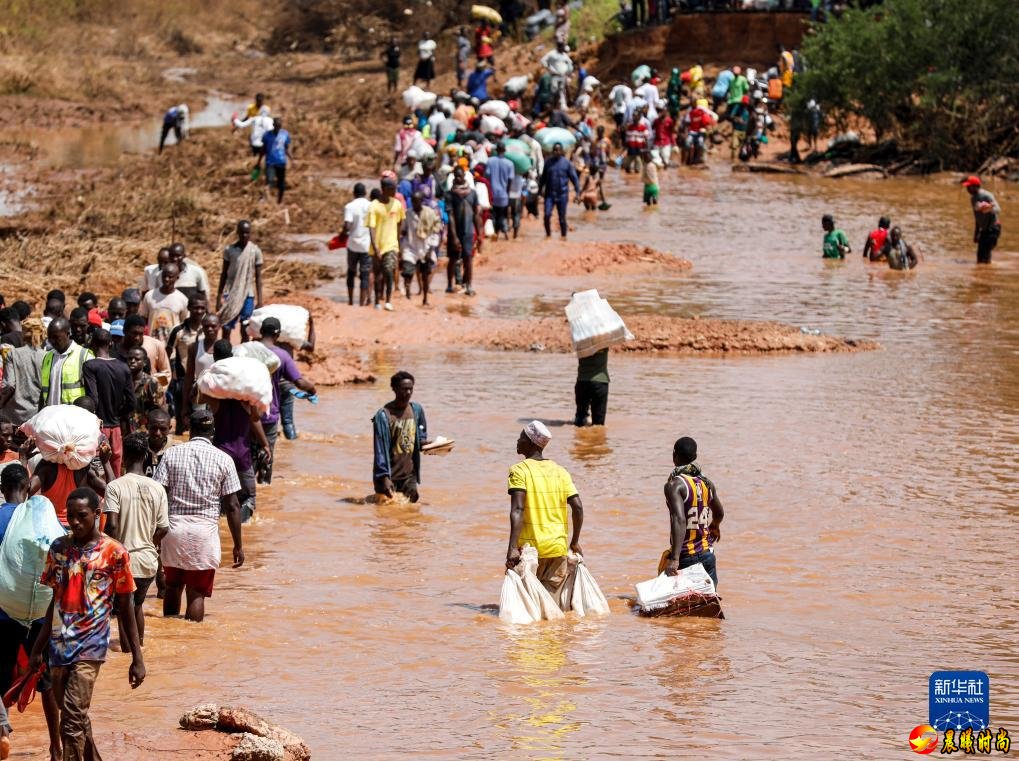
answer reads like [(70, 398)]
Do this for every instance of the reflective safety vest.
[(72, 382)]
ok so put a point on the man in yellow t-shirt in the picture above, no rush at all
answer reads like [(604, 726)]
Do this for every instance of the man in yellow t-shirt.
[(385, 219), (540, 491)]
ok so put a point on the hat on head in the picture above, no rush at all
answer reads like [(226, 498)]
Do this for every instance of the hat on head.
[(94, 318), (132, 296), (408, 120), (971, 181), (538, 433), (201, 418), (117, 328)]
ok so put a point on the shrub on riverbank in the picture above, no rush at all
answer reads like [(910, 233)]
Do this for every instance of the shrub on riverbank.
[(940, 76)]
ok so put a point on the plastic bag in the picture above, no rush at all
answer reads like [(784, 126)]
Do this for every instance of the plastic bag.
[(489, 228), (65, 434), (241, 378), (594, 325), (261, 352), (294, 322), (515, 605), (585, 596), (527, 568), (33, 528)]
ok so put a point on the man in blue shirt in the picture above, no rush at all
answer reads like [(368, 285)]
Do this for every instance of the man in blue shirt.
[(500, 173), (554, 185), (175, 119), (276, 145), (477, 82)]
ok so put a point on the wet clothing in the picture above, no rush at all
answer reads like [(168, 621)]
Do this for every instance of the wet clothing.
[(591, 396), (988, 228), (73, 685), (85, 580), (696, 509), (547, 489), (390, 449), (834, 241), (877, 240), (899, 255)]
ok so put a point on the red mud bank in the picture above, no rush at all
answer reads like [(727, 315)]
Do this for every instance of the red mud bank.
[(722, 38), (671, 335)]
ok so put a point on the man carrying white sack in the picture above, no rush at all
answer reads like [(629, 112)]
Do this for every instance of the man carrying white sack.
[(540, 491)]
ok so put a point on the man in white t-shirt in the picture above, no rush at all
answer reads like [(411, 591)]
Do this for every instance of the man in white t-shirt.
[(620, 96), (359, 260), (651, 96), (165, 307)]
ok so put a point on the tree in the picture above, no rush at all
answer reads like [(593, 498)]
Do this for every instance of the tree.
[(940, 76)]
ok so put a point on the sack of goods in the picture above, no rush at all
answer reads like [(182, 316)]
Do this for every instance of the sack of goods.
[(516, 86), (547, 137), (65, 434), (415, 98), (581, 594), (294, 322), (241, 378), (31, 531), (261, 352), (524, 600), (594, 325), (689, 593), (492, 125), (498, 108), (484, 13)]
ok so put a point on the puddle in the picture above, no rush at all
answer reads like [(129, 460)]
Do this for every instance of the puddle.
[(104, 144)]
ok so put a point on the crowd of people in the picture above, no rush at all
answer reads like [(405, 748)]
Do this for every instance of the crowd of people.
[(467, 167), (145, 511)]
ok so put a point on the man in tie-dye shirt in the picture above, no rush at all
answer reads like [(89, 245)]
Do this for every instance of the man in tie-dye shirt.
[(90, 575)]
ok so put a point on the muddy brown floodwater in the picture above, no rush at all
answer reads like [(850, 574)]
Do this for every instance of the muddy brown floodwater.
[(870, 534)]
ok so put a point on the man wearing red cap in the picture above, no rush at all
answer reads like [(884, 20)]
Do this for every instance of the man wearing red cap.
[(987, 228)]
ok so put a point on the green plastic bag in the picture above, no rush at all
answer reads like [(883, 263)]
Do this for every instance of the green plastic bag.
[(33, 528), (256, 173)]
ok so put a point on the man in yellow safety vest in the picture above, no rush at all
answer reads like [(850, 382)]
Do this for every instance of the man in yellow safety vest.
[(61, 375)]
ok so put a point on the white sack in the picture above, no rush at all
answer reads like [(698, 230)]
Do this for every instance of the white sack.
[(293, 322), (492, 125), (261, 352), (586, 598), (241, 378), (498, 108), (515, 605), (65, 434)]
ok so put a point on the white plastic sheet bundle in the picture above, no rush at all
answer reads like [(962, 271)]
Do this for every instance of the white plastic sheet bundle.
[(594, 324), (676, 595), (294, 322)]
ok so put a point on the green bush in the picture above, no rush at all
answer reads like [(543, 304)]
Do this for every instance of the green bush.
[(939, 76)]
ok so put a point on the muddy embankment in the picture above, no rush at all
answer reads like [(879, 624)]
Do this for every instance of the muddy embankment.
[(722, 39), (455, 321)]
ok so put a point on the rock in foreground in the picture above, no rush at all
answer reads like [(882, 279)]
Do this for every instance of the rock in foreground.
[(241, 720)]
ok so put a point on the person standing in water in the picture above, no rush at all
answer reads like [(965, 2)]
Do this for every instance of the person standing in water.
[(873, 249), (90, 575), (987, 226), (695, 513), (540, 490), (400, 430), (836, 244)]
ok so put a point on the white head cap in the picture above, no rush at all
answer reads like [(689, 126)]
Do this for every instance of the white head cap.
[(538, 433)]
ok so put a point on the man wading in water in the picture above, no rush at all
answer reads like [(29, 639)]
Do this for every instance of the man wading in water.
[(691, 499), (987, 228), (400, 431), (540, 491)]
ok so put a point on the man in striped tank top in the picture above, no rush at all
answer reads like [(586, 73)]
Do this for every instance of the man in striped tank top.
[(695, 512)]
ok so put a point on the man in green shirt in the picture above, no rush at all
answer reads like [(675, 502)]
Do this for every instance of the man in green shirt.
[(738, 87), (592, 388), (836, 244)]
